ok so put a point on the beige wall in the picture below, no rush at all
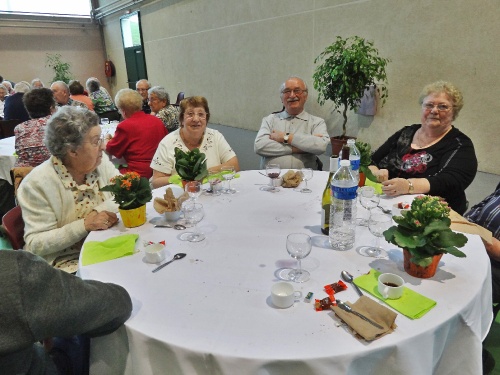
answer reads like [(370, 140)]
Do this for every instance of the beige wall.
[(24, 45), (237, 53)]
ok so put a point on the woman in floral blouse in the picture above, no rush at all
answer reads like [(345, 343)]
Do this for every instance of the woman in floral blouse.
[(30, 149), (159, 101)]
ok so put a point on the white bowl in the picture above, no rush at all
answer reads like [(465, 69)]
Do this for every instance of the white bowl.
[(155, 253)]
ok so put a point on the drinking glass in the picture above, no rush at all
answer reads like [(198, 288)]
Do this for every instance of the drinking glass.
[(104, 121), (307, 174), (299, 246), (193, 214), (378, 223), (214, 180), (369, 200), (193, 188), (273, 172), (228, 175)]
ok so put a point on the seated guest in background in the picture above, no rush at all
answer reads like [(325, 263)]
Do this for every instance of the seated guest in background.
[(136, 138), (14, 107), (60, 199), (103, 103), (159, 101), (8, 85), (292, 138), (61, 95), (76, 91), (30, 149), (487, 214), (193, 133), (37, 83), (3, 95), (430, 158), (38, 302), (142, 86)]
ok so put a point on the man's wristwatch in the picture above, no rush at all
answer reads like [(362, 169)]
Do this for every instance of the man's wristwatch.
[(285, 138), (411, 189)]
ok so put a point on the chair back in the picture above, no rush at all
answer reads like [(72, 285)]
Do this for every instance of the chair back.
[(180, 96), (13, 224), (17, 174), (7, 127)]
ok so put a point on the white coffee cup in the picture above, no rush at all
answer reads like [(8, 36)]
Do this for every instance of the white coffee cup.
[(390, 286), (155, 253), (283, 295)]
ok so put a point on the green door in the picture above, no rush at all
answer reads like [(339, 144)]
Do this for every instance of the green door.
[(135, 59)]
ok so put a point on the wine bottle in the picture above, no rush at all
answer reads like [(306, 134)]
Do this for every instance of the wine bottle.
[(326, 200)]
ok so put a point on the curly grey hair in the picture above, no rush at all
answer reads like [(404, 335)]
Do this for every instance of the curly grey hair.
[(67, 128), (160, 93)]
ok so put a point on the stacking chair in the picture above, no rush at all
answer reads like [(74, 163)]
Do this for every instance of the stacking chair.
[(180, 96), (7, 127), (13, 224)]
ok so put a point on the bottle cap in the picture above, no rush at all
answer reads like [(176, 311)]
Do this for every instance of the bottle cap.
[(345, 163), (350, 141)]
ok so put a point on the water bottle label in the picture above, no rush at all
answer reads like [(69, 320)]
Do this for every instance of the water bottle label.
[(355, 164), (344, 193)]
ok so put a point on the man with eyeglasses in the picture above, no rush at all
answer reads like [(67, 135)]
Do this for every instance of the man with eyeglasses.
[(292, 138), (142, 86)]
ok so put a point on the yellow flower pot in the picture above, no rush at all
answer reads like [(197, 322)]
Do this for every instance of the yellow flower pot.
[(134, 217)]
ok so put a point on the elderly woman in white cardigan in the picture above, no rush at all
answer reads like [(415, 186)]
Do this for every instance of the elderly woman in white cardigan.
[(60, 199)]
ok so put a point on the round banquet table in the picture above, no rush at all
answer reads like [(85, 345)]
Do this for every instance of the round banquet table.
[(210, 313)]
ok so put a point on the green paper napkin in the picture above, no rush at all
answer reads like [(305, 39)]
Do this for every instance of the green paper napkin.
[(411, 304), (376, 185), (177, 180), (112, 248)]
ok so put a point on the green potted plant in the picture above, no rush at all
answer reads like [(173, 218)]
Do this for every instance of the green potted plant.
[(424, 233), (61, 69), (192, 165), (131, 192), (350, 66), (365, 151)]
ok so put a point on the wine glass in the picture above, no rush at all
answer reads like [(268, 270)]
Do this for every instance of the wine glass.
[(369, 200), (193, 188), (299, 246), (307, 174), (228, 175), (378, 223), (273, 172), (193, 214)]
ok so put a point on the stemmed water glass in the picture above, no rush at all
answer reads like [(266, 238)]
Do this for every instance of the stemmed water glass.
[(369, 200), (273, 171), (307, 174), (378, 223), (228, 175), (299, 246), (214, 179), (193, 214), (193, 188)]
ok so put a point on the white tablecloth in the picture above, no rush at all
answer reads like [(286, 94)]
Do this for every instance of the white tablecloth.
[(7, 158), (210, 313)]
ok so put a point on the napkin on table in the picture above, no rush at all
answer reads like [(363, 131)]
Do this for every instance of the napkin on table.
[(292, 179), (372, 310), (112, 248), (411, 304), (461, 224), (376, 185)]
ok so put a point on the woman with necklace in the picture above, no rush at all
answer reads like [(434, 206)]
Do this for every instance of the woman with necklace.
[(193, 133), (430, 158)]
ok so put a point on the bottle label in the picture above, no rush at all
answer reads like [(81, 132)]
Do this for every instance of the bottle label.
[(344, 193), (355, 164)]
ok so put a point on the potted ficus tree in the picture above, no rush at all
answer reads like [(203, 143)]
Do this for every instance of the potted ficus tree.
[(61, 69), (349, 67)]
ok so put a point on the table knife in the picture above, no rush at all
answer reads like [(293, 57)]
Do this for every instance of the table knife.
[(348, 308)]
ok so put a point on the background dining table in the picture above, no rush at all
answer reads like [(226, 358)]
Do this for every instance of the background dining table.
[(211, 312)]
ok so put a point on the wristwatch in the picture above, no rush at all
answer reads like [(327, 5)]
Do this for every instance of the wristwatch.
[(285, 138), (410, 187)]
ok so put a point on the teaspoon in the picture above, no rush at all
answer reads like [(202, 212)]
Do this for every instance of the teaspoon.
[(348, 277), (175, 226), (176, 256)]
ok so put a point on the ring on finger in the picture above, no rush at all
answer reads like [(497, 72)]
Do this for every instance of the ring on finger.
[(106, 222)]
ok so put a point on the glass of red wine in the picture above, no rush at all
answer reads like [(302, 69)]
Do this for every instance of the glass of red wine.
[(273, 171)]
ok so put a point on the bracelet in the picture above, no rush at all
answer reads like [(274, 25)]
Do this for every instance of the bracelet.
[(411, 188)]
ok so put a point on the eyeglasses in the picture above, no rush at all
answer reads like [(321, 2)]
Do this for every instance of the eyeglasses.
[(201, 116), (295, 91), (440, 107), (97, 143)]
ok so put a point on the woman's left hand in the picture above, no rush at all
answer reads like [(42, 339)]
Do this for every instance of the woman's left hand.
[(395, 187)]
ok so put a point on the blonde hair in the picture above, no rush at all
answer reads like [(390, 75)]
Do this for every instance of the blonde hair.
[(453, 93)]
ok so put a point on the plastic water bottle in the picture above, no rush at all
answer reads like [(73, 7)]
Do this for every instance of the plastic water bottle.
[(343, 208), (354, 158)]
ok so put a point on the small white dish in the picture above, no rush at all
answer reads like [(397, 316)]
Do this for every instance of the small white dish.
[(155, 253)]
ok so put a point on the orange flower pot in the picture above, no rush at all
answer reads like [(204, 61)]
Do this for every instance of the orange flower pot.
[(134, 217), (415, 270)]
